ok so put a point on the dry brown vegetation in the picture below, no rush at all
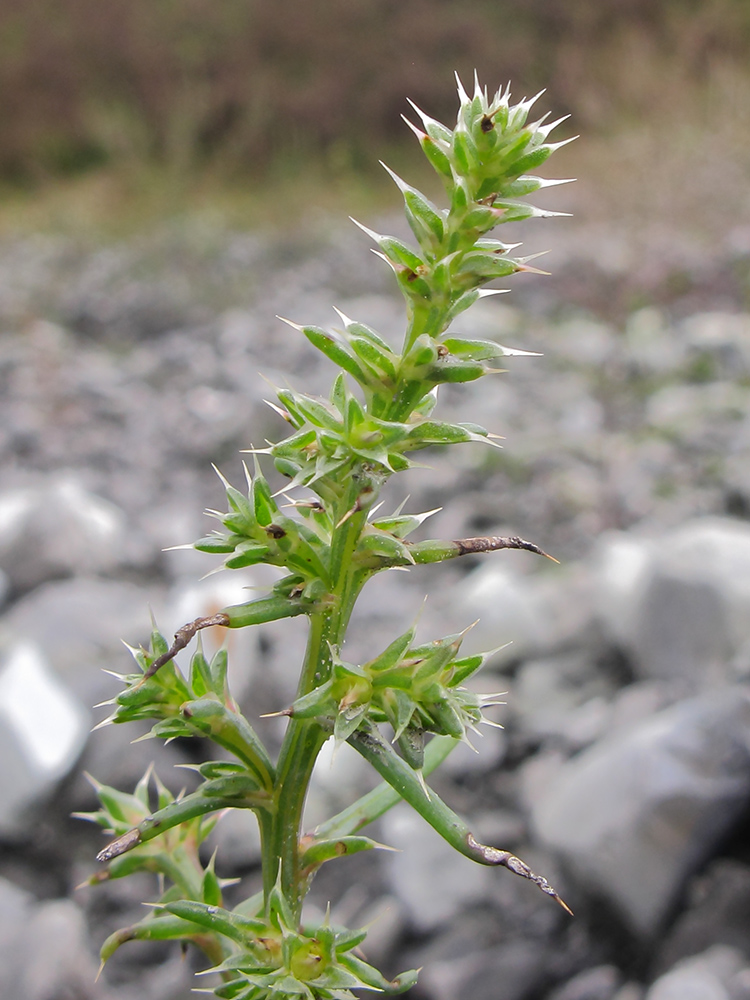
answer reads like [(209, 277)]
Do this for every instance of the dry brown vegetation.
[(243, 82)]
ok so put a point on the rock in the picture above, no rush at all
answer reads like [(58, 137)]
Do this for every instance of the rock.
[(717, 912), (634, 815), (620, 565), (15, 905), (80, 625), (739, 985), (53, 959), (718, 344), (529, 615), (237, 840), (630, 991), (44, 728), (508, 611), (386, 925), (44, 951), (702, 977), (421, 853), (599, 983), (341, 775), (565, 697), (653, 346), (517, 969), (537, 774), (679, 607), (58, 529), (489, 750)]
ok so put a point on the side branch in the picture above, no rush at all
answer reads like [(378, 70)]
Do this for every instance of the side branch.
[(435, 550), (181, 639), (410, 786), (491, 543), (493, 856)]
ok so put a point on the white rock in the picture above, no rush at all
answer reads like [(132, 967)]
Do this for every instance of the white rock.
[(43, 729), (79, 625)]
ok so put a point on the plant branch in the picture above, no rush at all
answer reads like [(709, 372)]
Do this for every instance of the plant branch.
[(376, 803), (371, 745), (210, 797), (435, 550)]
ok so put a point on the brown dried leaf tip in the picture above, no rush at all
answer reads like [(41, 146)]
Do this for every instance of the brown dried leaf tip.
[(493, 856), (181, 638)]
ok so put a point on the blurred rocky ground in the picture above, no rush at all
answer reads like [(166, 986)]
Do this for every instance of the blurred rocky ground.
[(623, 771)]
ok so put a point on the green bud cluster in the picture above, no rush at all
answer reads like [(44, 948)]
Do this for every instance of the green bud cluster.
[(415, 689), (197, 705), (482, 163), (173, 854), (274, 958)]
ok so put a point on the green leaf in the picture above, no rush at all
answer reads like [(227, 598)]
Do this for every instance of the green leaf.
[(324, 850), (152, 928), (335, 352), (216, 543), (214, 918), (247, 554)]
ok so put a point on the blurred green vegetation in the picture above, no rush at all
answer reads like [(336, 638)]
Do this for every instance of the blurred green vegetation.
[(260, 89)]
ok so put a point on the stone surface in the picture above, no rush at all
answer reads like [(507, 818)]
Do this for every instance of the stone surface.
[(565, 697), (429, 901), (58, 529), (717, 911), (80, 625), (599, 983), (517, 970), (55, 959), (679, 606), (633, 815), (635, 428), (702, 977), (43, 729), (15, 906)]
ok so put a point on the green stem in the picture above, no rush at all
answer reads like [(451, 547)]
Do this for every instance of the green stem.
[(450, 826), (374, 804), (305, 737)]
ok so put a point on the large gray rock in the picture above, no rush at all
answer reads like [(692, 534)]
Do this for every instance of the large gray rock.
[(54, 959), (634, 815), (512, 971), (717, 911), (563, 697), (15, 905), (679, 605)]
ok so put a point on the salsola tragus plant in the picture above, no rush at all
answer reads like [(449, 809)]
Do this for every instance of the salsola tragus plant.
[(407, 707)]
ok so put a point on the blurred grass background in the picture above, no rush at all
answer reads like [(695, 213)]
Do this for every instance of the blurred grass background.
[(120, 113)]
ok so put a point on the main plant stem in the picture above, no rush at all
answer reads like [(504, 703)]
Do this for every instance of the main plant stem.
[(304, 738)]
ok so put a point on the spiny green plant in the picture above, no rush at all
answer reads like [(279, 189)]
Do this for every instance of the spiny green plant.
[(406, 708)]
